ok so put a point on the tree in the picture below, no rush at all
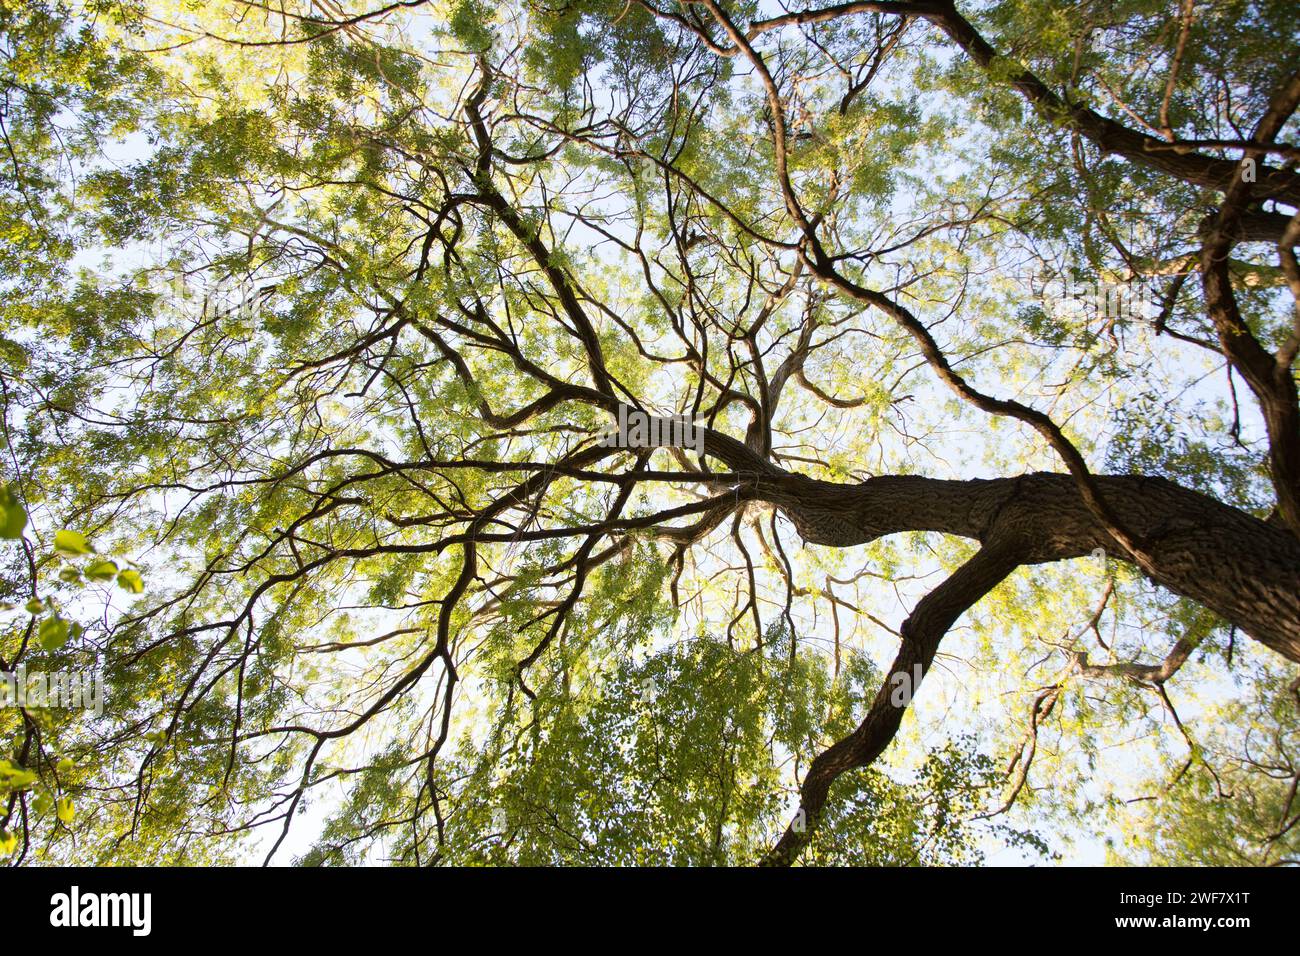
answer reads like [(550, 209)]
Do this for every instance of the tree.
[(323, 317)]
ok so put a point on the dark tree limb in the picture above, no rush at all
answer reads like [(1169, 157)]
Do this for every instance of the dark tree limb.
[(922, 632)]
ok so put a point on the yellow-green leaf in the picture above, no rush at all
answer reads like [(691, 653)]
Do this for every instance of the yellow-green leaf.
[(71, 542), (101, 570), (131, 581), (53, 633), (13, 516)]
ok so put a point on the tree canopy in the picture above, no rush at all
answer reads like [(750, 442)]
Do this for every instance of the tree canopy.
[(317, 317)]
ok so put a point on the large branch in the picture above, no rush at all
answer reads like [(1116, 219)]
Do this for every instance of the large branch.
[(922, 632), (1270, 376), (1242, 568), (1174, 158)]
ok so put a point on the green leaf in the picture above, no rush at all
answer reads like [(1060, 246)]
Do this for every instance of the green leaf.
[(131, 581), (17, 777), (71, 542), (65, 809), (13, 516), (53, 633), (101, 570)]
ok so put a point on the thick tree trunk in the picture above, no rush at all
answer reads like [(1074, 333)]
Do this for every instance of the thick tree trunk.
[(1242, 568)]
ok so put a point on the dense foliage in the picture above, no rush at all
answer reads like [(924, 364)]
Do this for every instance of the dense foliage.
[(313, 316)]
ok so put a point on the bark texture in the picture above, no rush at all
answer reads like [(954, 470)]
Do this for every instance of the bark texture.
[(1242, 568)]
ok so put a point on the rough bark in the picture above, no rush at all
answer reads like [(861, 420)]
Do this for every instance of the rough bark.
[(1240, 567)]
